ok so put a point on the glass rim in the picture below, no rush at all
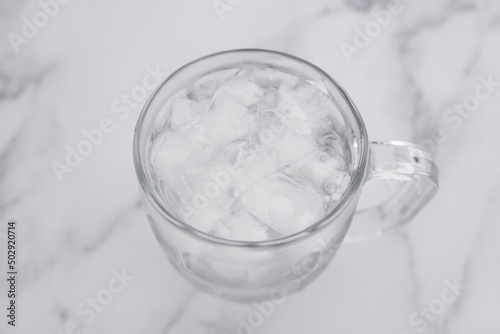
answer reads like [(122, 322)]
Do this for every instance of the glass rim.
[(356, 182)]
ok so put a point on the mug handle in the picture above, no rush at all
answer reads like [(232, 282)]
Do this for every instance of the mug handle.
[(410, 179)]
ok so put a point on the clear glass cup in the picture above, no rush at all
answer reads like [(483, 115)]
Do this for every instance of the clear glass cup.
[(271, 270)]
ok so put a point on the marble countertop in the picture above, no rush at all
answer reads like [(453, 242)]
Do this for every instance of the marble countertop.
[(422, 71)]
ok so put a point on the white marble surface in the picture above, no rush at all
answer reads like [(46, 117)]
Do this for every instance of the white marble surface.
[(67, 76)]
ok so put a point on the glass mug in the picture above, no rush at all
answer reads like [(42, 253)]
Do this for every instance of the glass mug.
[(270, 270)]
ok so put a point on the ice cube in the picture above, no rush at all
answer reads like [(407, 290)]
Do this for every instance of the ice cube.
[(162, 119), (247, 164), (270, 99), (205, 88), (197, 194), (337, 185), (202, 91), (283, 204), (329, 133), (296, 120), (181, 112), (270, 77), (243, 90), (292, 147), (241, 225), (311, 96), (271, 129), (268, 115), (286, 89), (211, 180), (257, 168), (304, 105), (266, 79), (227, 121), (330, 141), (186, 116), (237, 155), (171, 151), (294, 116), (179, 199), (325, 170), (204, 220)]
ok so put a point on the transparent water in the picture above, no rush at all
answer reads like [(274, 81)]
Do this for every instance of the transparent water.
[(251, 153)]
